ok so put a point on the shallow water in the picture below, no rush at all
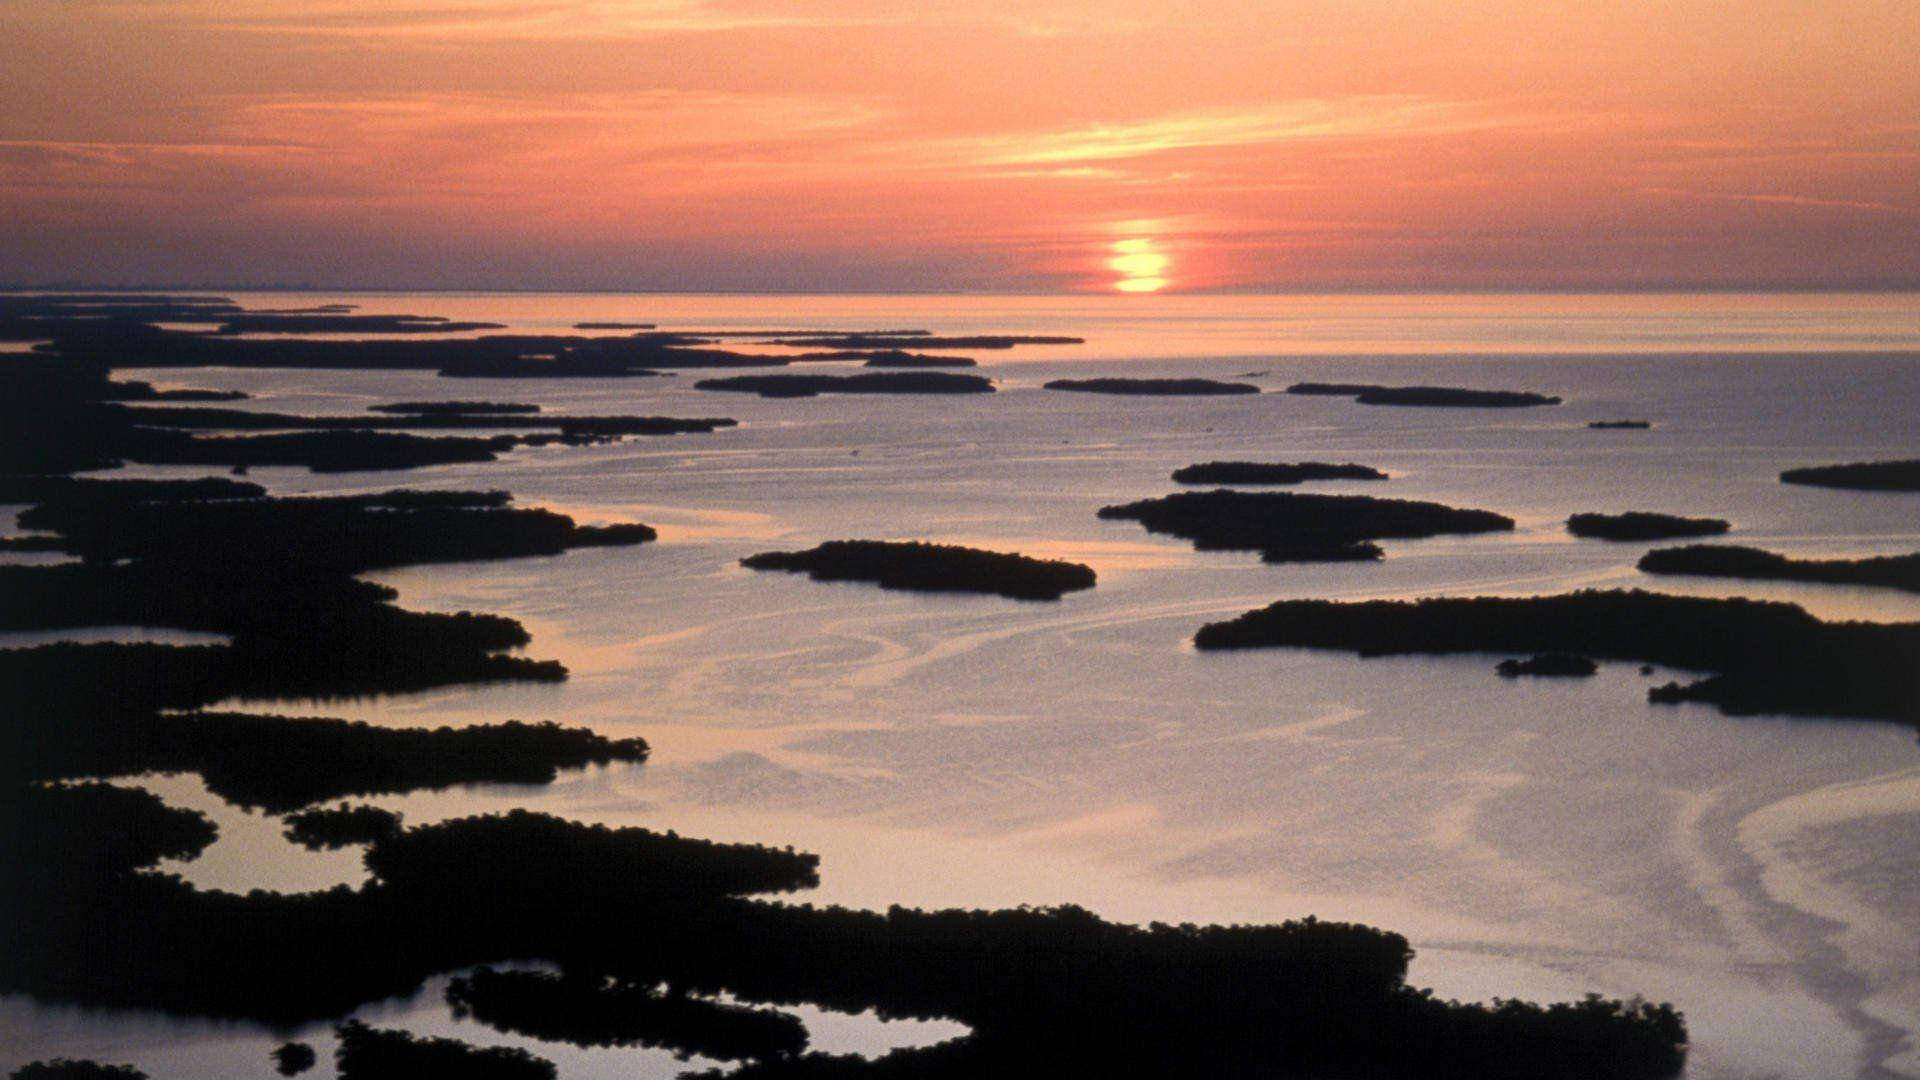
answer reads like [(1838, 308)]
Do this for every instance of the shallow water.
[(1534, 838)]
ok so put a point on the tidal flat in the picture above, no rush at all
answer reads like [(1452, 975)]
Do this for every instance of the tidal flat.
[(965, 752)]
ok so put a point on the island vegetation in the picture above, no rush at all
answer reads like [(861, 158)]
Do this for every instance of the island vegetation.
[(275, 578), (1860, 476), (886, 358), (456, 408), (59, 416), (293, 1058), (1447, 396), (93, 916), (1639, 525), (923, 340), (606, 1011), (341, 826), (1620, 425), (340, 323), (1727, 560), (904, 382), (1153, 387), (896, 358), (1256, 472), (486, 418), (1288, 527), (629, 908), (924, 567), (366, 1053), (69, 1069), (1765, 656), (1561, 665)]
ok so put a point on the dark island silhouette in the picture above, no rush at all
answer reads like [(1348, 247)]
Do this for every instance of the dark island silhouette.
[(1153, 387), (366, 1053), (923, 567), (905, 382), (487, 356), (339, 323), (1766, 656), (92, 918), (135, 390), (341, 826), (604, 1011), (58, 416), (490, 418), (1640, 525), (280, 763), (1620, 425), (1446, 396), (1056, 988), (130, 335), (1255, 472), (613, 326), (1727, 560), (275, 576), (1859, 476), (895, 358), (293, 1058), (922, 340), (456, 408), (885, 358), (1550, 664), (69, 1069), (1286, 527), (40, 316)]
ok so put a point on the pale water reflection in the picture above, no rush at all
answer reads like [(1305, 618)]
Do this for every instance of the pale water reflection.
[(1539, 838)]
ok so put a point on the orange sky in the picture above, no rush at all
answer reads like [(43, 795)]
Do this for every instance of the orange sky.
[(983, 145)]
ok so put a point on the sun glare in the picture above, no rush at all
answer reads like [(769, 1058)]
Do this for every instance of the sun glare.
[(1141, 268)]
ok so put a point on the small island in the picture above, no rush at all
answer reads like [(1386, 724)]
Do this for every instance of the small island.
[(594, 1011), (338, 323), (1286, 527), (1766, 656), (887, 358), (293, 1058), (895, 358), (456, 408), (924, 340), (341, 826), (68, 1069), (1153, 387), (905, 382), (1620, 425), (367, 1053), (924, 567), (1255, 472), (1553, 665), (1727, 560), (1639, 525), (1860, 476), (59, 415), (1444, 396)]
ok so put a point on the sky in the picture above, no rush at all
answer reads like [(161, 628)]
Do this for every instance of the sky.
[(948, 146)]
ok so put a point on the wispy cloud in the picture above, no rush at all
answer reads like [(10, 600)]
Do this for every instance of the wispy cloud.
[(477, 20), (1785, 200), (1280, 122)]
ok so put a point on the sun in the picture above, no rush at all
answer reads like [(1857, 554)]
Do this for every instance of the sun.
[(1141, 268)]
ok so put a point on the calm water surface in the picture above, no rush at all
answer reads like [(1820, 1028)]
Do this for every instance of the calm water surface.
[(1537, 838)]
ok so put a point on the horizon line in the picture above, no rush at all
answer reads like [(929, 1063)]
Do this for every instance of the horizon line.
[(1325, 290)]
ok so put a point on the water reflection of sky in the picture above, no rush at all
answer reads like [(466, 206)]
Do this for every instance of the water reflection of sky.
[(1534, 838)]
